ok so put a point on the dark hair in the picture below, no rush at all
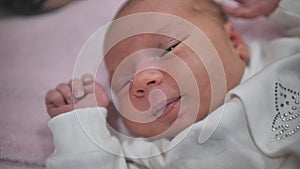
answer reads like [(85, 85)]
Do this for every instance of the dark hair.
[(23, 6)]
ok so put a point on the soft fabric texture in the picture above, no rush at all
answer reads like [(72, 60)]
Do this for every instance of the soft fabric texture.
[(37, 52)]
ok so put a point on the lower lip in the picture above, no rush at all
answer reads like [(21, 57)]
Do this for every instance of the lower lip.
[(168, 109)]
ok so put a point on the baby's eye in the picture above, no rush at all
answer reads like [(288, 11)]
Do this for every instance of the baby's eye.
[(171, 48)]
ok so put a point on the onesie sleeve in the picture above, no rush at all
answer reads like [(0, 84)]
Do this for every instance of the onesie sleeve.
[(287, 15), (82, 140)]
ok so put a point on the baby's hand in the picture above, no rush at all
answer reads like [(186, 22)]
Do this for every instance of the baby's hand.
[(249, 8), (75, 94)]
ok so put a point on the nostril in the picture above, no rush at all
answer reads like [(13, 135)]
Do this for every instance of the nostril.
[(139, 93), (151, 82)]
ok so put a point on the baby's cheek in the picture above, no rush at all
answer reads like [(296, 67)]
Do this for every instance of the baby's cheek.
[(140, 104), (130, 109)]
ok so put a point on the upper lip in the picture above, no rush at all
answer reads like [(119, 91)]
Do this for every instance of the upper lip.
[(162, 106)]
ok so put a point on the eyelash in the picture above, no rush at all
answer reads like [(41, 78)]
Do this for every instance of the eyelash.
[(171, 48)]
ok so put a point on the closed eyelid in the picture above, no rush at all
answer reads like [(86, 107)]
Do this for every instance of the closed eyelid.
[(170, 47), (172, 43), (169, 44)]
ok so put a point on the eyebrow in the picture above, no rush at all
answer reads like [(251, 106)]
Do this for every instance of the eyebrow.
[(174, 30)]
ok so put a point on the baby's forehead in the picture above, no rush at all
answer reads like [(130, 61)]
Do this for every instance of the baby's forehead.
[(176, 7), (194, 11), (147, 24), (146, 28)]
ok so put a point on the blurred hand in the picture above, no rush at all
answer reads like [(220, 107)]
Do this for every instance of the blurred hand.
[(33, 6), (249, 8), (78, 93)]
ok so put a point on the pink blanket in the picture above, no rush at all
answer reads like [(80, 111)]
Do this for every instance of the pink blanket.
[(37, 52)]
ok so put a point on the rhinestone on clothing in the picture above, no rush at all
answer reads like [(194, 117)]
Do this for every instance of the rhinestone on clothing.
[(286, 122)]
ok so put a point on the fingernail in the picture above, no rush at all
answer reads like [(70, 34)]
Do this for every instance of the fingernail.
[(87, 79), (78, 93)]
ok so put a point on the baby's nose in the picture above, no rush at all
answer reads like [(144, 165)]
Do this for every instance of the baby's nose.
[(144, 80)]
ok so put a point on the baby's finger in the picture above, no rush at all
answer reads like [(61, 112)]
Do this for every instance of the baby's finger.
[(55, 98), (87, 79), (90, 88), (238, 8), (229, 4), (248, 12), (65, 90), (77, 88), (54, 111)]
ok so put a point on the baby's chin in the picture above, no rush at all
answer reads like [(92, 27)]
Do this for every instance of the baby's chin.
[(157, 135)]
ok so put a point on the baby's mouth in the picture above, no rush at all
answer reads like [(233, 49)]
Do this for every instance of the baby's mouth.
[(163, 109)]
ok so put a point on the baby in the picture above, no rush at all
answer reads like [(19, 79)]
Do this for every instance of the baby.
[(163, 85), (228, 43)]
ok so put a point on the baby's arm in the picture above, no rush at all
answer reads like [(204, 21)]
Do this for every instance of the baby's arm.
[(80, 135), (82, 141), (78, 93)]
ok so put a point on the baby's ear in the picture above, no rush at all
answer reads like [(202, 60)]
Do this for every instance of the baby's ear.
[(237, 41)]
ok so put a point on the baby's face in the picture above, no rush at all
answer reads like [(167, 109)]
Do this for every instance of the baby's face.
[(161, 84)]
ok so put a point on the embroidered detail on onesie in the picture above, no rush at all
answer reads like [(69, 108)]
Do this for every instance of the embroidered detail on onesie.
[(286, 121)]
